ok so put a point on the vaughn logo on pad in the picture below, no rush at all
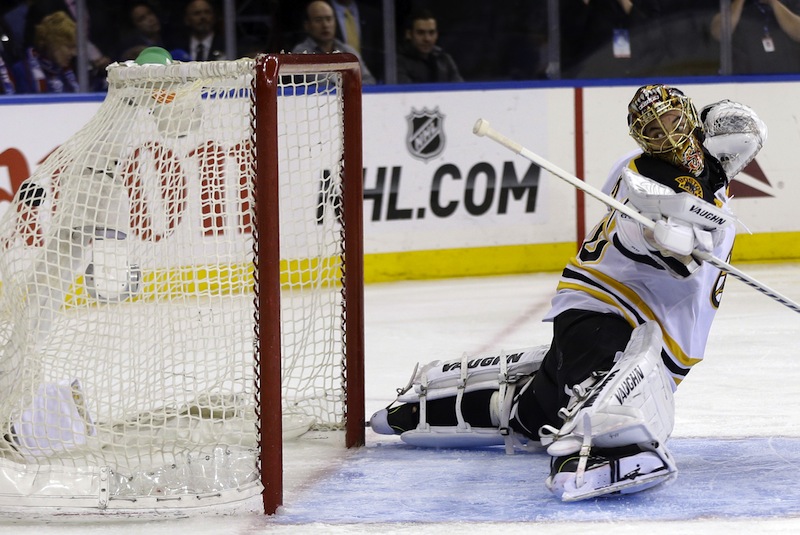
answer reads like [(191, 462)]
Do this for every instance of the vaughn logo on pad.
[(425, 139)]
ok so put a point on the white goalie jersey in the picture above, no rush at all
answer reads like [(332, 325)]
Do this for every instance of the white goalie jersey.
[(618, 270)]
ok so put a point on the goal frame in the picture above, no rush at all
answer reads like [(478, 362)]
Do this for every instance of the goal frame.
[(268, 72)]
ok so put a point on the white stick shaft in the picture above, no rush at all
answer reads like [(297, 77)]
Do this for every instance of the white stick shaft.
[(482, 128)]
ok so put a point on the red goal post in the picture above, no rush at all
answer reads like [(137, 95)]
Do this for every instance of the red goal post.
[(270, 70)]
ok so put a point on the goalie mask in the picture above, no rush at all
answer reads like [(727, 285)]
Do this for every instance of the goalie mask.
[(664, 123)]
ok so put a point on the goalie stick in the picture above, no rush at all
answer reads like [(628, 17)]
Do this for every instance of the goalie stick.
[(483, 129)]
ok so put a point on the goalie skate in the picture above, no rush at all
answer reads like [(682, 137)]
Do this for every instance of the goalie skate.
[(606, 473)]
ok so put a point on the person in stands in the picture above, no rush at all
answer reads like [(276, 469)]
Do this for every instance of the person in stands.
[(419, 59)]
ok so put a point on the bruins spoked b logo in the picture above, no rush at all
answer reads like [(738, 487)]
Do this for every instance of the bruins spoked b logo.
[(425, 139)]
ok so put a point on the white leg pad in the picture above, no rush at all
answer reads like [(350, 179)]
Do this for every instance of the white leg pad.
[(467, 437), (504, 371), (632, 405), (441, 379)]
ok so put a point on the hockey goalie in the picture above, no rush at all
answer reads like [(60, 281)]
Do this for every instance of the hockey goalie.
[(631, 316)]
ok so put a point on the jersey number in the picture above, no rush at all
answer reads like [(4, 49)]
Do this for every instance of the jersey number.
[(593, 246)]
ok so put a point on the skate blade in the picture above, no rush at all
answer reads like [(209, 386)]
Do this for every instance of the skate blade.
[(621, 487)]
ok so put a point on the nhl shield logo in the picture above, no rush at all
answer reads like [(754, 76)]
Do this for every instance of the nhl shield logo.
[(425, 138)]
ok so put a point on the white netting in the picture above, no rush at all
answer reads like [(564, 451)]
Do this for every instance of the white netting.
[(127, 306)]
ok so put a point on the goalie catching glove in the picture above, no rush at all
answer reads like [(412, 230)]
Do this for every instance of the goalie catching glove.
[(734, 134)]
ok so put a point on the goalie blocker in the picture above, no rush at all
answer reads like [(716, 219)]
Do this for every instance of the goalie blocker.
[(683, 222)]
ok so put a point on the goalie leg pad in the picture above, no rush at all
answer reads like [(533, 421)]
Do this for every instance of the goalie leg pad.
[(503, 373), (441, 379), (631, 404), (629, 407), (466, 436)]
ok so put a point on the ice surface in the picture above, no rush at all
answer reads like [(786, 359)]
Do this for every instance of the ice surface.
[(736, 439)]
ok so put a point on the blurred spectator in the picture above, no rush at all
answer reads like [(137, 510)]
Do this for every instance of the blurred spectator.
[(101, 31), (610, 38), (257, 29), (487, 41), (696, 52), (419, 60), (48, 65), (766, 36), (7, 86), (360, 25), (348, 23), (201, 41), (290, 19), (144, 30), (524, 32), (250, 47), (6, 83), (14, 23), (320, 26)]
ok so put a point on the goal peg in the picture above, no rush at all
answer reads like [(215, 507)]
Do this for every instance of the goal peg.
[(154, 54)]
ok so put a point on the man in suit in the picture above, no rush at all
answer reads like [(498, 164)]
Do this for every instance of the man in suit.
[(360, 25), (320, 28), (202, 42)]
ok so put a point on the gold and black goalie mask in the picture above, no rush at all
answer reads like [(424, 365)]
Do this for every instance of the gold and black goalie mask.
[(664, 123)]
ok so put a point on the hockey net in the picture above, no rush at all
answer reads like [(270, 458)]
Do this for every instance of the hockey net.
[(181, 281)]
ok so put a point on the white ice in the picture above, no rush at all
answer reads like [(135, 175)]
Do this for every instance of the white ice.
[(736, 439)]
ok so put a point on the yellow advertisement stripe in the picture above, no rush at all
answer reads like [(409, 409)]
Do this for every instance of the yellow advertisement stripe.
[(232, 279)]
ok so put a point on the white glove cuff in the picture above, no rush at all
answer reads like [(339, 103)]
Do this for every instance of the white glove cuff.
[(674, 237)]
